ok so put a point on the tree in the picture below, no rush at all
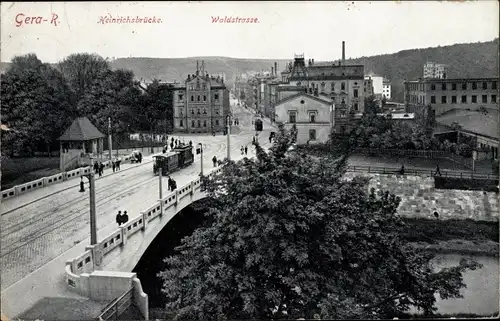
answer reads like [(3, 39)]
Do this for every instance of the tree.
[(81, 70), (288, 237), (156, 108), (36, 105)]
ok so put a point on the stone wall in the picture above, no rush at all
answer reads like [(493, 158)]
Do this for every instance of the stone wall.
[(419, 198)]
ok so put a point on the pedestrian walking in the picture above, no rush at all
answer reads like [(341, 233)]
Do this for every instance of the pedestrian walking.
[(253, 140), (438, 171), (101, 169), (172, 144), (214, 160), (242, 150), (246, 150), (119, 218), (118, 164), (124, 217), (96, 167), (219, 162), (114, 166), (140, 157), (270, 138), (402, 170), (170, 184)]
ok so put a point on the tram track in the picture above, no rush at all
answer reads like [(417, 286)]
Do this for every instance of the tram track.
[(72, 215)]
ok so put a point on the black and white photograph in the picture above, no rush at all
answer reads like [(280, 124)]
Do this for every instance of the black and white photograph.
[(249, 160)]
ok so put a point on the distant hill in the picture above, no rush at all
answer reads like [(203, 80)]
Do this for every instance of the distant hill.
[(463, 60)]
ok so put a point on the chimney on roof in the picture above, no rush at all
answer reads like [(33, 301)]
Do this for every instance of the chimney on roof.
[(312, 62), (275, 68), (272, 71), (309, 62), (343, 53)]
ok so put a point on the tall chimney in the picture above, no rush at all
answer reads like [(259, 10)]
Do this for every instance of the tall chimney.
[(272, 71), (276, 68), (343, 53)]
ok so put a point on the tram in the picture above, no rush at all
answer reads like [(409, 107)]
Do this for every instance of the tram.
[(169, 162)]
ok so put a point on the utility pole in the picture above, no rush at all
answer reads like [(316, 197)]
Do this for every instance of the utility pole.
[(93, 223), (201, 154), (109, 138), (228, 137)]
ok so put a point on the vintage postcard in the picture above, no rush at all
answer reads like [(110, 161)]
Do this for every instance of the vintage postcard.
[(249, 160)]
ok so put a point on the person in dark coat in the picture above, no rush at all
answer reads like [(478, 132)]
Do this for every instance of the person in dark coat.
[(124, 217), (101, 169), (170, 184), (119, 218), (96, 167), (172, 145), (114, 166), (253, 140), (438, 171), (246, 150), (118, 164), (402, 170), (174, 184), (214, 160)]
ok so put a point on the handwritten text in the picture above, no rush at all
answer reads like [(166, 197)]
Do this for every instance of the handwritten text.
[(227, 19), (22, 19), (127, 19)]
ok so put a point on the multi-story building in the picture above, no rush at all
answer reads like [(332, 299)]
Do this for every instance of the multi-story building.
[(447, 94), (342, 84), (368, 86), (201, 103), (311, 114), (434, 71), (386, 89)]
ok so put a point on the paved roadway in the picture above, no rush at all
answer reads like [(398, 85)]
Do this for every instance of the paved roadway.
[(50, 224)]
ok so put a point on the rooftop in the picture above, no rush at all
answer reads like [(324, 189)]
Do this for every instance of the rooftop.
[(473, 121), (448, 80), (81, 130)]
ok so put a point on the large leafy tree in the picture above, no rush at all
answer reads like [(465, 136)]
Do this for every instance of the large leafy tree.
[(288, 237), (155, 113), (37, 105)]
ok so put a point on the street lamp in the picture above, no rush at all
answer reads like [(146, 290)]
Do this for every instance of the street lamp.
[(93, 224), (109, 139), (160, 188), (228, 123), (201, 156)]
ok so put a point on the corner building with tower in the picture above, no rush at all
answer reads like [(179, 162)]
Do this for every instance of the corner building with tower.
[(201, 103)]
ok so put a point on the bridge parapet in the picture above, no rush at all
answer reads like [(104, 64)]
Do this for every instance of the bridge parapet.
[(80, 268)]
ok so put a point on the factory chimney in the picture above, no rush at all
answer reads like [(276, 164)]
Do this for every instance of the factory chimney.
[(272, 71), (276, 68), (343, 53)]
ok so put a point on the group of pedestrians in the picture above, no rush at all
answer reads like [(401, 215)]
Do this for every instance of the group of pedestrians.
[(121, 218), (99, 168), (244, 150), (172, 184), (116, 165)]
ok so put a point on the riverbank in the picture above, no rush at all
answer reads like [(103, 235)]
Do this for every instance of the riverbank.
[(462, 247)]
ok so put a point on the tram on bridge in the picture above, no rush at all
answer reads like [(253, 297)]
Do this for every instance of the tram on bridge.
[(169, 162)]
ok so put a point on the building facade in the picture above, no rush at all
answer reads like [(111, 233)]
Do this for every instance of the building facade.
[(312, 115), (434, 71), (368, 86), (386, 89), (447, 94), (201, 104)]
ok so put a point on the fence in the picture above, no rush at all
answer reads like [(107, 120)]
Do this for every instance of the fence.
[(421, 172), (116, 307)]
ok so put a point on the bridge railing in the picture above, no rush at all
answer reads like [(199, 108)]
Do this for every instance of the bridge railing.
[(50, 180), (93, 255)]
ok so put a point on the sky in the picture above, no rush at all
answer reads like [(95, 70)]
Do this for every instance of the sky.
[(282, 29)]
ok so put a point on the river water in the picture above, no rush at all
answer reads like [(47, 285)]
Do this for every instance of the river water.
[(482, 293)]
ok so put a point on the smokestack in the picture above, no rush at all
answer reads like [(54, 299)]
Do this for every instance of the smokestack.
[(343, 53), (276, 68), (272, 71)]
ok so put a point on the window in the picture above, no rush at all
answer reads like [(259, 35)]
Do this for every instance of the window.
[(343, 101), (192, 111), (342, 129), (198, 112), (494, 85), (199, 98), (204, 111), (312, 117), (181, 123), (180, 111), (474, 99), (474, 85), (216, 111), (199, 123), (181, 96), (342, 86), (485, 85), (464, 86), (443, 99), (204, 123), (312, 85), (204, 98), (453, 86), (433, 86), (292, 117), (355, 93), (302, 102), (192, 98), (484, 99), (216, 97), (322, 85), (312, 134), (192, 123), (433, 99), (443, 86), (333, 86), (204, 86), (356, 107), (493, 98), (464, 99), (453, 99)]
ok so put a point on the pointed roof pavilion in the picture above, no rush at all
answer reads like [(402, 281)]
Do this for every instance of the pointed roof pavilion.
[(81, 130)]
